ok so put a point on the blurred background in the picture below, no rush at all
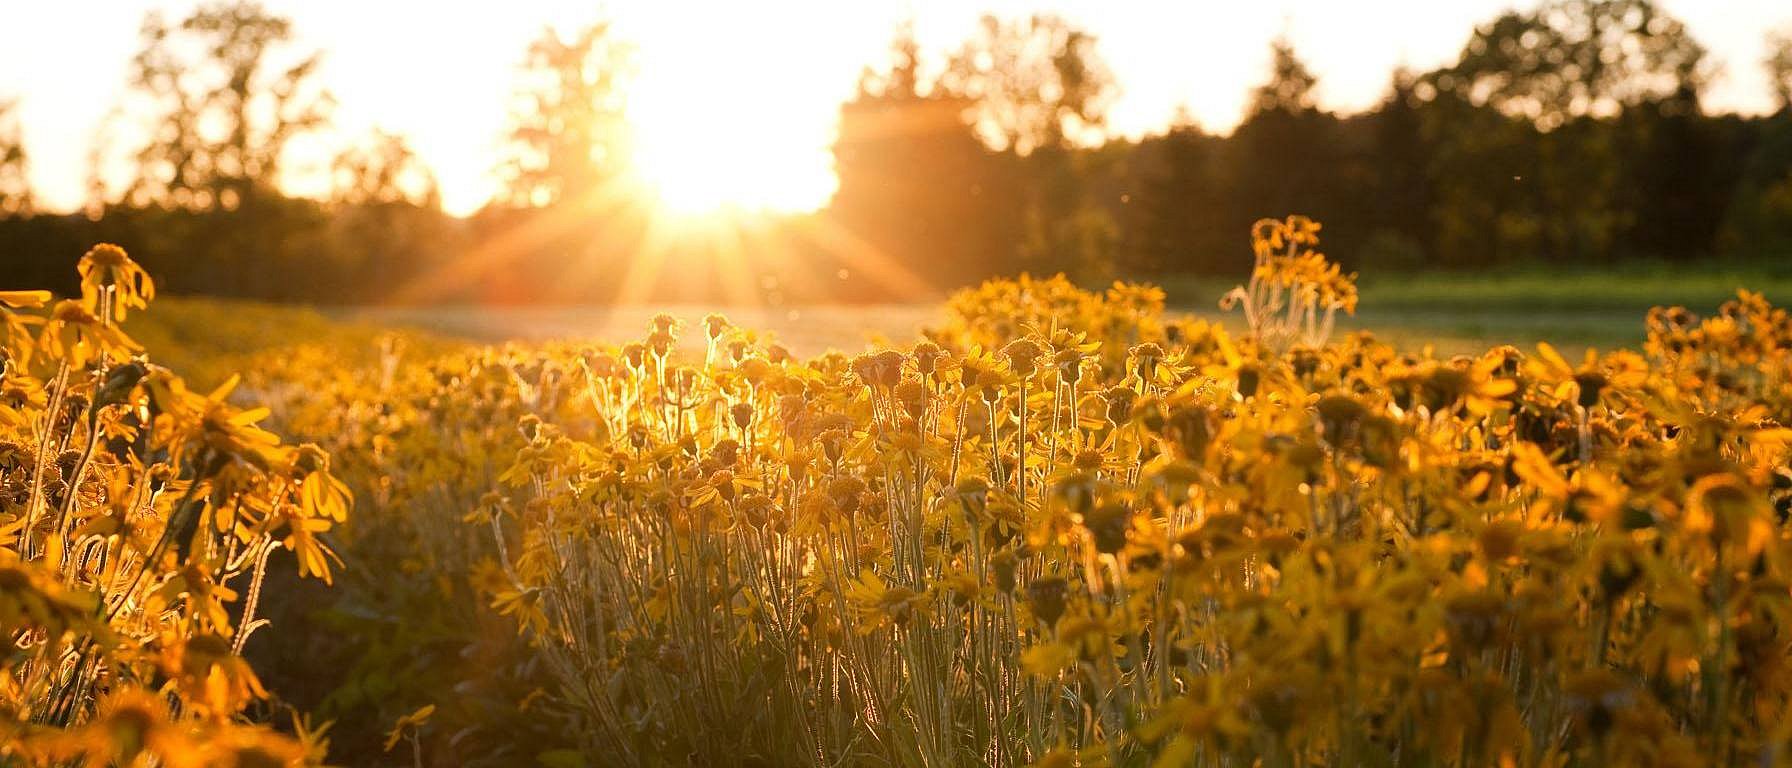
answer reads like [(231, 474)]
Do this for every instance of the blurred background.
[(1486, 166)]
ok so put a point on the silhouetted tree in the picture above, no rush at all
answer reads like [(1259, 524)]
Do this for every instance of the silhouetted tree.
[(1758, 221), (1401, 156), (1674, 168), (1287, 155), (381, 169), (569, 138), (386, 223), (1779, 67), (1544, 175), (916, 184), (222, 117), (203, 208), (1040, 90), (1289, 89), (1480, 178), (569, 214), (1567, 59), (15, 183), (1174, 221), (1035, 82)]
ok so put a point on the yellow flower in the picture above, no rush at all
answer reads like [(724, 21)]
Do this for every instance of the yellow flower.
[(32, 599), (74, 334), (523, 603), (210, 676), (129, 723), (1724, 507), (878, 604), (409, 723), (111, 283)]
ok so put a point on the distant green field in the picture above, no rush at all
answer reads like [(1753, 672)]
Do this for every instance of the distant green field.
[(1458, 312), (1622, 291)]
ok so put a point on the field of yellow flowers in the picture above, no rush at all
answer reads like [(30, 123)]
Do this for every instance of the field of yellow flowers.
[(1064, 528)]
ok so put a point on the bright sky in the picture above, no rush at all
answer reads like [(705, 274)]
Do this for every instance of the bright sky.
[(766, 76)]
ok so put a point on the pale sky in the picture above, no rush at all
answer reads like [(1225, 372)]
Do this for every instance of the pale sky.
[(769, 73)]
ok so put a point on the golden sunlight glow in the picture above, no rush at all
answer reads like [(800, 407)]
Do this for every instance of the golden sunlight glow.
[(712, 133), (682, 156)]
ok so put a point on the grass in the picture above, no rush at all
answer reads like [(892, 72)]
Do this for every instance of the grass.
[(1620, 291)]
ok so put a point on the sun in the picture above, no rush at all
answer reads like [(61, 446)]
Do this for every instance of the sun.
[(709, 138), (699, 151)]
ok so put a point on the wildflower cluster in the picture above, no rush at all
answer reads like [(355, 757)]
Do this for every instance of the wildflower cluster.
[(1294, 293), (137, 519), (1000, 311), (1066, 529)]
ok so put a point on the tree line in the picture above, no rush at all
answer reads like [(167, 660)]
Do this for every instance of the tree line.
[(1571, 133)]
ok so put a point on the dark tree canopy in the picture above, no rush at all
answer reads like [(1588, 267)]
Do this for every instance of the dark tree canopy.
[(1290, 85), (916, 183)]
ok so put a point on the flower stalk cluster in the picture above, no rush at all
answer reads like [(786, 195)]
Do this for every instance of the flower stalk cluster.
[(137, 521), (1067, 529)]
